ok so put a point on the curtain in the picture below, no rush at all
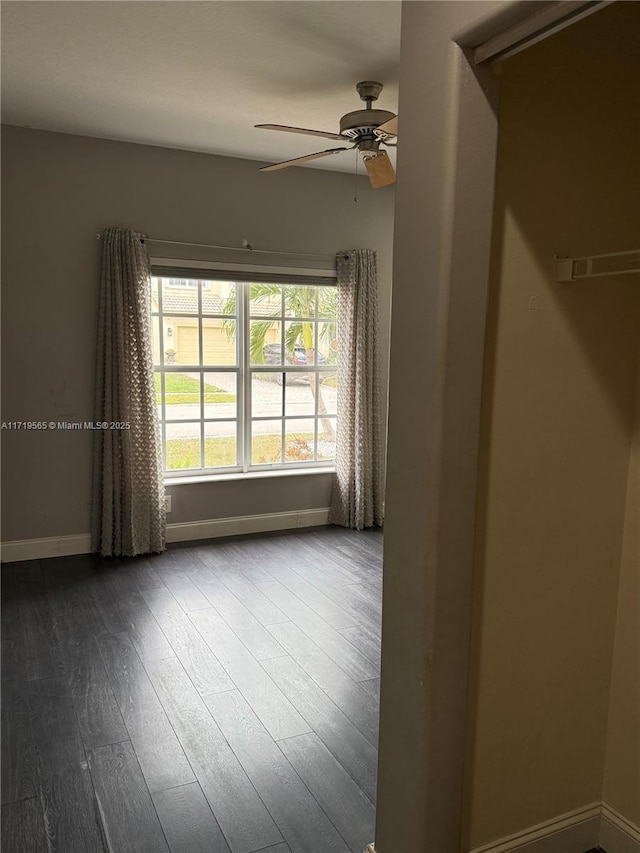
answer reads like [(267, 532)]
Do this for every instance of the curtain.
[(128, 497), (358, 489)]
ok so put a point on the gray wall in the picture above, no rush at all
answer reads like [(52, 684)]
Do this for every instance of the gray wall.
[(57, 191)]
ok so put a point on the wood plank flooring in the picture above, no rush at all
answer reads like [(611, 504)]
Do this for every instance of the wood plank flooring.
[(221, 697)]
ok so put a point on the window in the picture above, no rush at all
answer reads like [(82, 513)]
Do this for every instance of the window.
[(245, 374)]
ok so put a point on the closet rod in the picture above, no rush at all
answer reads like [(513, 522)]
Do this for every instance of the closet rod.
[(246, 248), (595, 266)]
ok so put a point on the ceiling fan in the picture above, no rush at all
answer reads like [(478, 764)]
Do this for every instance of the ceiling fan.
[(368, 129)]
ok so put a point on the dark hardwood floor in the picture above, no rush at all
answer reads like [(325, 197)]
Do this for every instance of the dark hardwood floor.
[(221, 697)]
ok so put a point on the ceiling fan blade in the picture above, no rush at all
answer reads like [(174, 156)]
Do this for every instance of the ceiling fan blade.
[(380, 170), (284, 127), (389, 128), (297, 160)]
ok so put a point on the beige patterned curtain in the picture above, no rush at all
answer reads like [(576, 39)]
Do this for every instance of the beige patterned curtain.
[(358, 488), (128, 497)]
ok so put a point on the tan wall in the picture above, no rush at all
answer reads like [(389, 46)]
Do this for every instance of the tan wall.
[(622, 771), (558, 409), (57, 191)]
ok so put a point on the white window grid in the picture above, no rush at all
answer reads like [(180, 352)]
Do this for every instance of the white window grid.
[(244, 371)]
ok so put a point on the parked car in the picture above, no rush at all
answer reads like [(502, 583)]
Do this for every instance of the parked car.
[(272, 355)]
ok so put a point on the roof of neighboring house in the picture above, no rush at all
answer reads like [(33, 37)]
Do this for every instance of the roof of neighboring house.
[(175, 301), (185, 300)]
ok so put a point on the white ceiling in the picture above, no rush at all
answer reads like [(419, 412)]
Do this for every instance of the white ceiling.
[(198, 75)]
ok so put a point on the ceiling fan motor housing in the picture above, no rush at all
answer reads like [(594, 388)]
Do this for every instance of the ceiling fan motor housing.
[(361, 124)]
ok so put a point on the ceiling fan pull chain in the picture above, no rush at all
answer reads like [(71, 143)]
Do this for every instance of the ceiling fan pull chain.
[(355, 188)]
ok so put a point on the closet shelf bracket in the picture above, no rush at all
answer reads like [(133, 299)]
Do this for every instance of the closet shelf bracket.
[(594, 266)]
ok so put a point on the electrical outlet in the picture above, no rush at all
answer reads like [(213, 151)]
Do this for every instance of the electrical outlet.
[(167, 503)]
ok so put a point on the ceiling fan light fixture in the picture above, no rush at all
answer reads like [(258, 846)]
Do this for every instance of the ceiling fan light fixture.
[(369, 148)]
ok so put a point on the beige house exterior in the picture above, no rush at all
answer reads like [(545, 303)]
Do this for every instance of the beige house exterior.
[(180, 331)]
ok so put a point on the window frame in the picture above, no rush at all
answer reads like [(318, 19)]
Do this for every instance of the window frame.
[(243, 276)]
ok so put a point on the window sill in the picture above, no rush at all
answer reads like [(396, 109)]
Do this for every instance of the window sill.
[(249, 475)]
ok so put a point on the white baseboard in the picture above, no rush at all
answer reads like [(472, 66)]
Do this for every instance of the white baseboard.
[(595, 825), (50, 546), (216, 527), (617, 834), (80, 543), (573, 832)]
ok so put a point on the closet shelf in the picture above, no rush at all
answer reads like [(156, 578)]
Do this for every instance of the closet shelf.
[(593, 266)]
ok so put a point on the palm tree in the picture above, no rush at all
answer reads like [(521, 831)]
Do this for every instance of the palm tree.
[(299, 302)]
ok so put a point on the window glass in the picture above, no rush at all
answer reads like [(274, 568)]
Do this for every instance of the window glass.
[(182, 446), (300, 301), (265, 300), (220, 395), (266, 395), (266, 442), (265, 345), (179, 295), (220, 449), (219, 341), (299, 440), (182, 396), (245, 374)]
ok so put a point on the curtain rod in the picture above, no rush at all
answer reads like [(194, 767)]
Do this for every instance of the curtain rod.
[(246, 248)]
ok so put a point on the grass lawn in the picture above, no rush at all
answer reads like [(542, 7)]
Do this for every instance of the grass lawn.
[(220, 451), (180, 389)]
